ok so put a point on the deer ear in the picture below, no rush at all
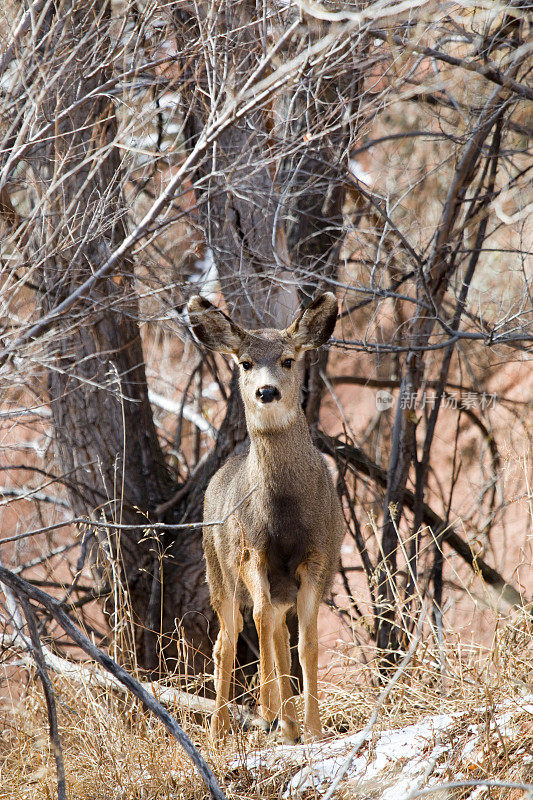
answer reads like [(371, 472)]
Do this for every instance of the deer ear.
[(212, 327), (315, 324)]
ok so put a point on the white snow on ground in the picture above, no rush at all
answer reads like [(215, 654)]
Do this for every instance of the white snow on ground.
[(397, 761), (413, 746)]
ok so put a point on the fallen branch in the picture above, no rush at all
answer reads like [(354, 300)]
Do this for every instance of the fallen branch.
[(91, 675)]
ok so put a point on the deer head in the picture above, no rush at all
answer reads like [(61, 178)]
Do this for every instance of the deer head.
[(269, 374)]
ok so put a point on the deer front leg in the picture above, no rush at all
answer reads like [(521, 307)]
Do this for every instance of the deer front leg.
[(254, 575), (282, 656), (307, 604), (269, 697), (230, 619)]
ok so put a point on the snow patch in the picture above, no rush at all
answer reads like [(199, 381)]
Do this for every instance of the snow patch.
[(398, 761), (411, 749)]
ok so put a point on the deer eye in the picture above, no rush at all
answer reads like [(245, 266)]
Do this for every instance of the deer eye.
[(246, 365), (287, 363)]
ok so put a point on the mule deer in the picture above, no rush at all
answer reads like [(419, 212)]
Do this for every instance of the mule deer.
[(280, 548)]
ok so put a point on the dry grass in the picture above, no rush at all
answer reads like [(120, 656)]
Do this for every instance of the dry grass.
[(113, 749)]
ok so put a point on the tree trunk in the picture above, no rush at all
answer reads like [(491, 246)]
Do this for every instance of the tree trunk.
[(266, 266), (102, 418), (239, 199)]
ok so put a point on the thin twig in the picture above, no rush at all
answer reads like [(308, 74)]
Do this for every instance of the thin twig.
[(49, 695), (145, 525)]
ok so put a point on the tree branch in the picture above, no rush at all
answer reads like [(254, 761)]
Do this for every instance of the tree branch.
[(358, 461)]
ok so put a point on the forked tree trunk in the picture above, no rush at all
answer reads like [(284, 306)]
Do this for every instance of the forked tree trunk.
[(266, 267)]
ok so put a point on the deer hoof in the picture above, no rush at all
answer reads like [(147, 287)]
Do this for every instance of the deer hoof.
[(269, 726), (290, 732)]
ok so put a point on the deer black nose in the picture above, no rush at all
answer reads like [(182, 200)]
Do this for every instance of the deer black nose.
[(268, 393)]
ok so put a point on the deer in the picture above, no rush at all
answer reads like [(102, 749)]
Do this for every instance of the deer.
[(273, 522)]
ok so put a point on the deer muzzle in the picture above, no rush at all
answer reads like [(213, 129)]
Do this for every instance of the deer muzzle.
[(268, 393)]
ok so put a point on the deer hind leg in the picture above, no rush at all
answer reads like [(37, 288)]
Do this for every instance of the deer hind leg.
[(307, 605), (282, 656), (230, 619)]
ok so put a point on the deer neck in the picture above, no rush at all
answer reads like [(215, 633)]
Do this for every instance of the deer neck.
[(281, 452)]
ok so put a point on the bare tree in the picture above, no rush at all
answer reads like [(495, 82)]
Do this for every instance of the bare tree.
[(263, 152)]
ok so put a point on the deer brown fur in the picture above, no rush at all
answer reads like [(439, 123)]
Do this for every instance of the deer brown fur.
[(279, 547)]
